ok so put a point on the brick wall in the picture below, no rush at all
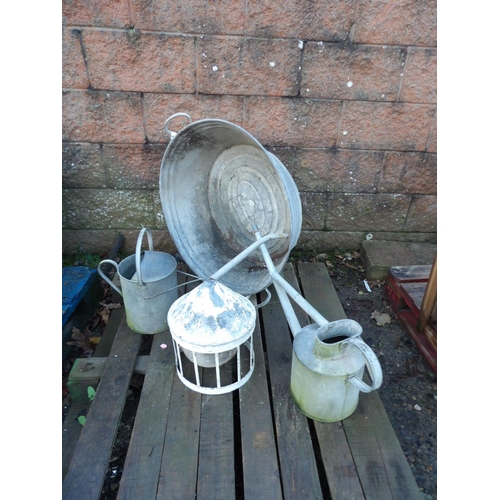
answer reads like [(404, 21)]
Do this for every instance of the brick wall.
[(342, 92)]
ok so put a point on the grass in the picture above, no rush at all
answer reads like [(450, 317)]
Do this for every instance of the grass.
[(90, 260)]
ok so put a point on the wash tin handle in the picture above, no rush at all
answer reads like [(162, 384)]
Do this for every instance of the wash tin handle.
[(170, 118), (373, 365), (138, 252)]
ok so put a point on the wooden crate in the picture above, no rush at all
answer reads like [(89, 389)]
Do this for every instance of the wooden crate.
[(412, 293)]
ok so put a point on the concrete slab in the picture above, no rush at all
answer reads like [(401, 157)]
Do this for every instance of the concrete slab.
[(378, 256)]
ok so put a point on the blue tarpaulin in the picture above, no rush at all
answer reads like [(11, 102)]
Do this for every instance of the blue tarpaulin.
[(75, 283)]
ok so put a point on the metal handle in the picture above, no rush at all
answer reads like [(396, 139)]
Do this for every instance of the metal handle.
[(173, 134), (113, 263), (138, 251), (265, 301), (373, 365)]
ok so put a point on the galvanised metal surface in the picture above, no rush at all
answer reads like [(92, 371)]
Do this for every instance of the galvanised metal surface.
[(216, 183), (148, 286), (327, 369)]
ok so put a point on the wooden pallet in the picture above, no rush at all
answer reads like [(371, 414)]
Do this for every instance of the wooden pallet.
[(411, 291), (253, 443)]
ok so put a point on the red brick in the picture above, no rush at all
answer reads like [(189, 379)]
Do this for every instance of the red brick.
[(351, 72), (248, 66), (74, 74), (326, 241), (420, 76), (313, 210), (190, 16), (159, 107), (93, 116), (82, 166), (366, 212), (389, 126), (293, 121), (285, 156), (142, 62), (432, 142), (135, 166), (422, 215), (107, 209), (112, 13), (406, 22), (318, 20), (337, 170), (410, 173), (101, 240)]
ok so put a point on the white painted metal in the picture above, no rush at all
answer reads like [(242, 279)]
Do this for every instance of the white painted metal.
[(209, 326)]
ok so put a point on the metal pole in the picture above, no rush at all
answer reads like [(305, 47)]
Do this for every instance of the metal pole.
[(287, 307), (244, 254)]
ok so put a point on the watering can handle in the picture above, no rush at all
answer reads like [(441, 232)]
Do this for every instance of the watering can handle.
[(138, 252), (113, 263), (175, 115), (373, 365)]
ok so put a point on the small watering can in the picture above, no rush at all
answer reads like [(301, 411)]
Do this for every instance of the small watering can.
[(327, 368), (148, 286)]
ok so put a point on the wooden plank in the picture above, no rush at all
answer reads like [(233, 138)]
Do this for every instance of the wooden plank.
[(71, 432), (260, 460), (319, 291), (91, 456), (179, 466), (379, 454), (338, 462), (78, 390), (142, 465), (104, 346), (380, 462), (410, 273), (216, 475), (429, 298), (413, 293), (296, 454)]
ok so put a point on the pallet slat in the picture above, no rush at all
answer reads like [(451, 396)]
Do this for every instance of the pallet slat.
[(142, 465), (216, 456), (379, 459), (185, 444), (88, 466), (338, 463), (296, 453), (260, 461), (179, 466)]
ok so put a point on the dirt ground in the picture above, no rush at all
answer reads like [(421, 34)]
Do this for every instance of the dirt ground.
[(409, 389)]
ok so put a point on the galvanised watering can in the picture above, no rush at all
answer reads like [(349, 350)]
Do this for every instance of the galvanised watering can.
[(148, 286), (327, 368)]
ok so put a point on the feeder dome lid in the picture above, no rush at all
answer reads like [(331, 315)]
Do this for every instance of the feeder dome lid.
[(210, 317)]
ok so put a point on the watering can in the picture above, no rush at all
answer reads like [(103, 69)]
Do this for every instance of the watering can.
[(328, 363), (148, 282)]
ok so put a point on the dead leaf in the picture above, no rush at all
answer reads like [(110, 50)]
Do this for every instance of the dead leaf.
[(104, 315), (381, 318)]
